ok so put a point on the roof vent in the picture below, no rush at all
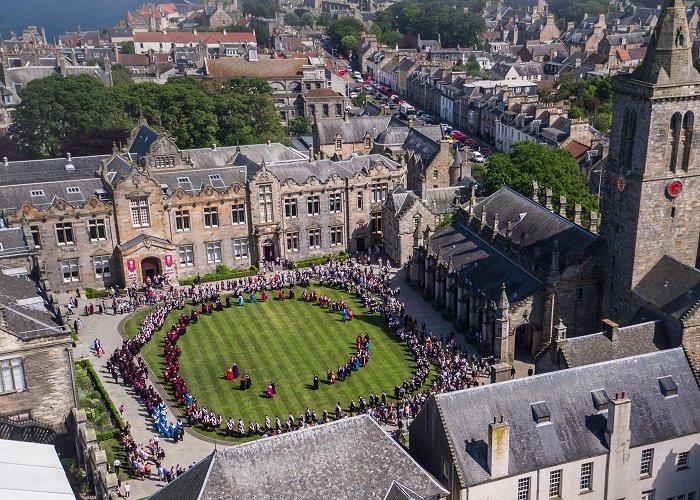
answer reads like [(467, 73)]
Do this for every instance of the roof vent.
[(5, 162), (668, 386), (213, 147), (69, 166), (540, 412), (600, 400)]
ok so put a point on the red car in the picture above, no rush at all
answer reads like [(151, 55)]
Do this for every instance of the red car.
[(485, 150), (468, 141), (457, 135), (342, 72)]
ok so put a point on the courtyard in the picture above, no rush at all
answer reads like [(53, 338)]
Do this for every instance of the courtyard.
[(285, 342)]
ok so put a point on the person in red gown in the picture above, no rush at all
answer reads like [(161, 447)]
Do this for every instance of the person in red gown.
[(229, 373), (264, 296), (281, 294)]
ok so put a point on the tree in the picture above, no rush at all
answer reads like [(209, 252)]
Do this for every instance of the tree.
[(308, 19), (260, 8), (121, 75), (245, 111), (292, 19), (57, 108), (348, 29), (180, 106), (555, 169), (323, 19), (360, 100), (128, 48), (390, 38), (299, 125), (262, 36)]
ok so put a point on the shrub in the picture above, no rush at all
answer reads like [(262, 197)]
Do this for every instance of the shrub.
[(322, 259), (114, 413), (91, 293), (221, 276)]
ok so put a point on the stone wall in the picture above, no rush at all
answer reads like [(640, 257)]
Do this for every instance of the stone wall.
[(49, 393), (91, 457)]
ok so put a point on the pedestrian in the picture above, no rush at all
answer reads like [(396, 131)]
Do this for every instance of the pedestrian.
[(512, 372), (127, 490), (117, 464)]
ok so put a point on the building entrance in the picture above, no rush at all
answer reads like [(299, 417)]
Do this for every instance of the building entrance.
[(150, 268)]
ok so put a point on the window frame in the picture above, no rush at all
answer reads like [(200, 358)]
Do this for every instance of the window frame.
[(188, 252), (183, 221), (360, 201), (523, 488), (211, 217), (97, 225), (12, 364), (265, 209), (140, 212), (212, 247), (313, 205), (66, 233), (555, 481), (240, 248), (586, 478), (102, 260), (646, 462), (291, 208), (336, 233), (335, 203), (293, 241), (73, 266), (35, 231), (315, 241), (682, 460), (238, 215)]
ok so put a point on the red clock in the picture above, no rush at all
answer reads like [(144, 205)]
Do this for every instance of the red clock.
[(621, 183), (674, 188)]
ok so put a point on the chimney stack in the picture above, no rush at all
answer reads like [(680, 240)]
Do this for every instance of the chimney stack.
[(548, 199), (562, 206), (3, 316), (499, 447), (5, 161), (577, 214), (612, 331), (617, 437), (594, 222)]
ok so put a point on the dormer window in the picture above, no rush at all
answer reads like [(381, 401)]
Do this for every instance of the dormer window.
[(668, 386), (338, 143), (540, 413), (368, 142), (600, 400), (72, 190), (164, 161), (36, 192)]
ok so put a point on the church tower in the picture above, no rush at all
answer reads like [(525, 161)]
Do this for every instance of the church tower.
[(651, 187)]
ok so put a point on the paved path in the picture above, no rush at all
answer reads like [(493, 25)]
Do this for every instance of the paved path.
[(192, 449), (105, 327)]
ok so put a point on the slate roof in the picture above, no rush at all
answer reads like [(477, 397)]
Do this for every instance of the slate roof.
[(52, 169), (422, 144), (540, 225), (441, 200), (402, 200), (12, 196), (12, 242), (26, 309), (350, 458), (482, 265), (143, 140), (577, 429), (633, 340), (670, 286), (300, 171), (354, 129), (220, 179)]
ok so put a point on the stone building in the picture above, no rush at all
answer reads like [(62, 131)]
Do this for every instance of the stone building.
[(505, 267), (625, 428), (340, 138), (101, 221), (36, 360), (373, 466), (650, 194)]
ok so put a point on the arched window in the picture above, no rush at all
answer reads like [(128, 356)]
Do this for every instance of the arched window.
[(674, 140), (629, 140), (688, 124)]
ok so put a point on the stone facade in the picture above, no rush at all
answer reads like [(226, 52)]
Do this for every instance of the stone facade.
[(652, 152)]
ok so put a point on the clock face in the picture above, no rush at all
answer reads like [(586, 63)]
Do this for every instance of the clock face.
[(674, 188), (621, 183)]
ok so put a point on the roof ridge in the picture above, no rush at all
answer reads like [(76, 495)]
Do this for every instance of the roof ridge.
[(450, 440)]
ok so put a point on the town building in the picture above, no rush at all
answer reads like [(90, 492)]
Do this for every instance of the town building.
[(37, 387), (373, 466), (166, 41), (624, 428)]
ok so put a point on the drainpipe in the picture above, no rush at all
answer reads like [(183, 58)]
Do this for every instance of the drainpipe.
[(72, 376)]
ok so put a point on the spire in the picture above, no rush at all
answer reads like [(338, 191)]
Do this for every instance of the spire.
[(668, 57), (503, 303)]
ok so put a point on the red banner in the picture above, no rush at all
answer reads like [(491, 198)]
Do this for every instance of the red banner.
[(131, 266), (169, 268)]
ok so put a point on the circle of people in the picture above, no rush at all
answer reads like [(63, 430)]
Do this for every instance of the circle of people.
[(456, 367)]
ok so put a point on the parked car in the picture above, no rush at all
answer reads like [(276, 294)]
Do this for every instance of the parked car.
[(342, 72), (457, 135), (394, 97), (476, 156), (446, 129), (468, 141), (485, 150), (353, 95), (393, 105)]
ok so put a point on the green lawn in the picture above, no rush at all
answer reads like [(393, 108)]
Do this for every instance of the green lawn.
[(285, 342)]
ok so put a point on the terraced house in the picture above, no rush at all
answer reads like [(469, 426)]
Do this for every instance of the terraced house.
[(99, 221)]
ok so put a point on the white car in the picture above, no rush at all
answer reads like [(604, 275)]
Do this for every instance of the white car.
[(353, 95), (476, 156)]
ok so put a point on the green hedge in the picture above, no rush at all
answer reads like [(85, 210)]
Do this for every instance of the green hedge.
[(222, 273), (91, 293), (85, 363), (104, 436), (322, 259)]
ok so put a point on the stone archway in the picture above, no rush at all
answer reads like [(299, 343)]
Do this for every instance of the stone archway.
[(150, 268), (524, 342)]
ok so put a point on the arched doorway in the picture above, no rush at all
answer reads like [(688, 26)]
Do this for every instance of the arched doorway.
[(524, 342), (150, 268), (268, 250)]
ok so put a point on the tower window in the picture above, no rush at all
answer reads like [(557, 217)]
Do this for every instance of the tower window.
[(688, 124), (674, 139), (673, 212)]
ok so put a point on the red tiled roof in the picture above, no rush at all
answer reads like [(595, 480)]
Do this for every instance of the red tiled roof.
[(168, 8), (133, 59), (323, 93), (577, 149), (185, 37), (623, 54), (271, 68)]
